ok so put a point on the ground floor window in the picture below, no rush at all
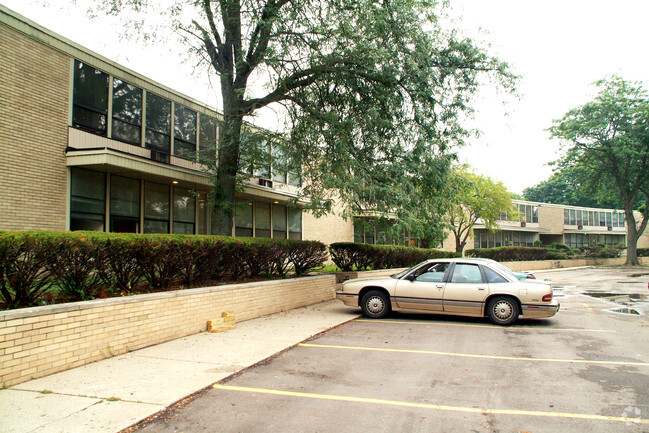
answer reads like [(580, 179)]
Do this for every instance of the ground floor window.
[(124, 205), (184, 211), (580, 240), (379, 231), (266, 220), (484, 239), (87, 200)]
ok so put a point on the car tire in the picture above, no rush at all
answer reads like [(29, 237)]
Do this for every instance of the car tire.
[(375, 304), (503, 310)]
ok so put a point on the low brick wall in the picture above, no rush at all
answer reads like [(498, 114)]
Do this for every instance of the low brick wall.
[(541, 265), (35, 342)]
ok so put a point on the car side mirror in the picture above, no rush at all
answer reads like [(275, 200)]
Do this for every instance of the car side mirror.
[(410, 277)]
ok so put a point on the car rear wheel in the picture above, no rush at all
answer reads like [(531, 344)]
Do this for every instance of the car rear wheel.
[(503, 310), (375, 304)]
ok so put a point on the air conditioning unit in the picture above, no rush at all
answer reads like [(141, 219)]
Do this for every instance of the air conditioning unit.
[(580, 227), (160, 156), (523, 224), (266, 182), (609, 228)]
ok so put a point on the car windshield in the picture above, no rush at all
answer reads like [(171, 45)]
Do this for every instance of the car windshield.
[(406, 272)]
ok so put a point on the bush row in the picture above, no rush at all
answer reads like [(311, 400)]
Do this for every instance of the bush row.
[(554, 251), (84, 265), (351, 256), (643, 252)]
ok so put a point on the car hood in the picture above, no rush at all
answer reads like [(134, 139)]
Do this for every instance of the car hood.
[(368, 279)]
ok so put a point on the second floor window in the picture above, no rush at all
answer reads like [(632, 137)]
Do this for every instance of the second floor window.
[(127, 112), (158, 123), (90, 98)]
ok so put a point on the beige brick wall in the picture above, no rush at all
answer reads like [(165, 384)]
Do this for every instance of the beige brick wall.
[(551, 218), (328, 229), (35, 342), (34, 92)]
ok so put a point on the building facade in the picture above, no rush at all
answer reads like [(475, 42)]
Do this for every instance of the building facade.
[(86, 144)]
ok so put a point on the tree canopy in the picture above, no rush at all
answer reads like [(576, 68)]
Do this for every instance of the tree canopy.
[(372, 92), (563, 187), (477, 197), (606, 143)]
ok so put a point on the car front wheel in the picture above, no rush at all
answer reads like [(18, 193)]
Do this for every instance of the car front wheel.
[(503, 310), (375, 304)]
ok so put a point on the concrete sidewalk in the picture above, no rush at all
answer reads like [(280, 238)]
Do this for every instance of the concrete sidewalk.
[(113, 394)]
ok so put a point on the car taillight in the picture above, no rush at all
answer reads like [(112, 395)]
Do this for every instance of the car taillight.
[(547, 298), (530, 277)]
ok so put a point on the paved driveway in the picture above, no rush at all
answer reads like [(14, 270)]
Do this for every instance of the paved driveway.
[(586, 369)]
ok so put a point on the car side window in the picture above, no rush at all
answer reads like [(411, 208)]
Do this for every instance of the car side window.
[(466, 273), (493, 276), (434, 273)]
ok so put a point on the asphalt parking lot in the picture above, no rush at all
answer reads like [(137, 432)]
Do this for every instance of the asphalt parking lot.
[(586, 369)]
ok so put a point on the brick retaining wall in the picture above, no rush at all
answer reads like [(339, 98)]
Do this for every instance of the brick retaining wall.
[(36, 342)]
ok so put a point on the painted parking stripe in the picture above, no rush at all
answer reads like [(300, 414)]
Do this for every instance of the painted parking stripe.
[(530, 328), (481, 411), (471, 355)]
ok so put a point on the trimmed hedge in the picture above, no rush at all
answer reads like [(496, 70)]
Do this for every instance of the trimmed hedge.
[(87, 265), (555, 251), (350, 256)]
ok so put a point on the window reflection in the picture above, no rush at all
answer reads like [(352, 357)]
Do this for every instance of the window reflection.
[(158, 123), (127, 112)]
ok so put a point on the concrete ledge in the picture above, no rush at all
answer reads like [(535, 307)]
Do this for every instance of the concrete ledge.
[(35, 342), (542, 265)]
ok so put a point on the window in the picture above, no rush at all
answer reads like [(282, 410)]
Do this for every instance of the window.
[(203, 213), (279, 164), (359, 236), (573, 217), (243, 219), (262, 160), (207, 141), (493, 276), (566, 217), (602, 219), (127, 112), (580, 221), (90, 98), (124, 205), (466, 273), (158, 123), (262, 220), (295, 224), (609, 219), (184, 211), (184, 132), (87, 200), (156, 208), (279, 222), (432, 274)]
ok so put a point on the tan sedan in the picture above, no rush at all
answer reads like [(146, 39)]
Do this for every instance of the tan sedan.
[(464, 287)]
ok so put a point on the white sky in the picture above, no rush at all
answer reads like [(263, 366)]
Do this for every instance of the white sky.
[(558, 47)]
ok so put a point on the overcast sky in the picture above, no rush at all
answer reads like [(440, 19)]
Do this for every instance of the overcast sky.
[(558, 47)]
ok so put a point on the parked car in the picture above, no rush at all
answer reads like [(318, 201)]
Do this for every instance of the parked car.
[(463, 287)]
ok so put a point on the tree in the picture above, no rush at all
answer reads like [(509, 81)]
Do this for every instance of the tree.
[(563, 187), (372, 91), (607, 142), (477, 197)]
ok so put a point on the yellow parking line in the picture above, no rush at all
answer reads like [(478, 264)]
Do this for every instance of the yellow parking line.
[(480, 411), (484, 326), (470, 355)]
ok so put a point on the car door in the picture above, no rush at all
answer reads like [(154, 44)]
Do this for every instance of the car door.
[(466, 290), (422, 290)]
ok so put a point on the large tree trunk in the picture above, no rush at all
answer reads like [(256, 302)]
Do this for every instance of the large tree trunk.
[(631, 239), (228, 160)]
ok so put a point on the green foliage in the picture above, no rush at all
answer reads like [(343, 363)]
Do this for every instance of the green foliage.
[(81, 264), (643, 252), (600, 251), (353, 256), (476, 197), (373, 94), (24, 259), (606, 143), (563, 187), (509, 254)]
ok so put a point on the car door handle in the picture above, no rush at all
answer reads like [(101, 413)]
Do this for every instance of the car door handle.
[(440, 286), (482, 288)]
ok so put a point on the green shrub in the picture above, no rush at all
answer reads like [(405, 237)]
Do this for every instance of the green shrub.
[(351, 256), (24, 258), (509, 254), (643, 252), (305, 255), (601, 251)]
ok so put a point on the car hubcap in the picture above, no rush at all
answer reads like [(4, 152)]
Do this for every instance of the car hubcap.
[(503, 310), (375, 305)]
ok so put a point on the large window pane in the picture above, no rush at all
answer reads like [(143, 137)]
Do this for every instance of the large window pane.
[(262, 220), (158, 123), (184, 132), (127, 112), (279, 164), (156, 208), (243, 221), (124, 205), (279, 222), (87, 200), (90, 98), (203, 214), (295, 223), (207, 144), (184, 211), (262, 160)]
